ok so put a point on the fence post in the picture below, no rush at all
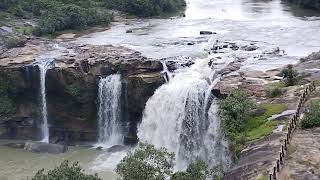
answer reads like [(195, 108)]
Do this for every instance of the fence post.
[(278, 165), (281, 160), (285, 144), (274, 173)]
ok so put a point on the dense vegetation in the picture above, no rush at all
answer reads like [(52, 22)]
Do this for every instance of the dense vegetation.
[(244, 121), (312, 114), (147, 162), (145, 8), (59, 15), (65, 171), (7, 91)]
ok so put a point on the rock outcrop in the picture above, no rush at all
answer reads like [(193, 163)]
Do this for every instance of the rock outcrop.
[(41, 147), (72, 90)]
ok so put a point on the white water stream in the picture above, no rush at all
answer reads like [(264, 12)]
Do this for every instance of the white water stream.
[(109, 113), (44, 65)]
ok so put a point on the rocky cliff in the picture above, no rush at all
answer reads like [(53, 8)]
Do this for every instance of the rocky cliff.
[(71, 86)]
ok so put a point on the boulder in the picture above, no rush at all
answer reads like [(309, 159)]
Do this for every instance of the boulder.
[(207, 32), (129, 31), (41, 147), (250, 48)]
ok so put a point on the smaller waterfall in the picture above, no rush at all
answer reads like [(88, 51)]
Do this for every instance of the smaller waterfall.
[(44, 65), (109, 113), (166, 73)]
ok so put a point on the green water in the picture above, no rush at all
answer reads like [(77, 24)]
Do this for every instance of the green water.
[(18, 164)]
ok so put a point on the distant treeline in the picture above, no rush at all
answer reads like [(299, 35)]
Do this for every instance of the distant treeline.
[(312, 4), (146, 8), (57, 15)]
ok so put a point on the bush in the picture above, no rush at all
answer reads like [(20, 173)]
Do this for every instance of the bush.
[(312, 114), (272, 92), (234, 110), (146, 162), (290, 76), (64, 172), (197, 170)]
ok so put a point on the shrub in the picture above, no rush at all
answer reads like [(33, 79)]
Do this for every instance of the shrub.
[(6, 105), (290, 76), (234, 110), (64, 171), (14, 41), (312, 114), (146, 162), (272, 92)]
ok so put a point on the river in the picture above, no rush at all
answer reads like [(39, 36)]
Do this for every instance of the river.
[(268, 23)]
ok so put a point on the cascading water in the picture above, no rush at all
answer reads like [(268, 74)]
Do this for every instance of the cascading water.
[(109, 113), (178, 118), (44, 65)]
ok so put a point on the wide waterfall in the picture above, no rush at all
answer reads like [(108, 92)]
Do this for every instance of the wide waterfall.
[(182, 117), (109, 113), (44, 65)]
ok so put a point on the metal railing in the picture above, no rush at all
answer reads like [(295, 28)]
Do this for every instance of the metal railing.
[(293, 123)]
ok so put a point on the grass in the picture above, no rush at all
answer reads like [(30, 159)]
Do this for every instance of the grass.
[(259, 126), (24, 30), (255, 127)]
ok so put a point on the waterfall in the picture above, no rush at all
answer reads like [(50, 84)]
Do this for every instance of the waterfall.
[(166, 73), (176, 117), (44, 65), (109, 113)]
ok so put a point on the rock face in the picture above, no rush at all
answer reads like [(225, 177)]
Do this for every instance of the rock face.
[(40, 147), (72, 90)]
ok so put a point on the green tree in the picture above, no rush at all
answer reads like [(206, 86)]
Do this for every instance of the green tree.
[(65, 172), (290, 76), (234, 110), (312, 115), (146, 162), (197, 170)]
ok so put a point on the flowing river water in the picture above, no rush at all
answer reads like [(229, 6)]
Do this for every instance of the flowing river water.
[(267, 23)]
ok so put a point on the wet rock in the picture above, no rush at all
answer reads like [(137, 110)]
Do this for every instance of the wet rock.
[(116, 148), (312, 56), (129, 31), (16, 145), (99, 148), (249, 47), (233, 46), (207, 32), (41, 147), (190, 43)]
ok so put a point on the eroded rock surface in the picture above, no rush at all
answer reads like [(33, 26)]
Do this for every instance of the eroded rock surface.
[(71, 86)]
